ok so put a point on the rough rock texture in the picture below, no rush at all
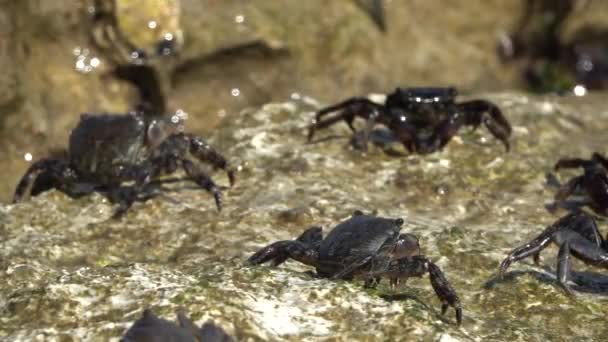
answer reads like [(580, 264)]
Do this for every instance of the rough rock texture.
[(70, 272)]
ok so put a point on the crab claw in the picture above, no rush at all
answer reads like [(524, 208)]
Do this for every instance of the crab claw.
[(300, 249), (444, 291)]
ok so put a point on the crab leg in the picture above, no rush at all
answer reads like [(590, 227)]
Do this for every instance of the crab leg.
[(356, 106), (58, 172), (576, 233)]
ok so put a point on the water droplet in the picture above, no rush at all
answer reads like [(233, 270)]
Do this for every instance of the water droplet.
[(239, 19), (152, 24), (28, 157), (580, 90), (95, 62), (80, 64), (235, 92)]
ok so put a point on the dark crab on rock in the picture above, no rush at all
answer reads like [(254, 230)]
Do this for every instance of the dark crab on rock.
[(577, 236), (365, 247), (150, 328), (107, 150), (422, 119)]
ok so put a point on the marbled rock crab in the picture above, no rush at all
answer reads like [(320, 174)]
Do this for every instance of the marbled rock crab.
[(593, 182), (150, 328), (366, 247), (108, 150), (577, 236), (422, 119)]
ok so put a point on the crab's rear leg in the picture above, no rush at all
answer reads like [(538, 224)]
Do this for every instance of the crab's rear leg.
[(478, 111), (56, 172), (348, 110), (301, 249)]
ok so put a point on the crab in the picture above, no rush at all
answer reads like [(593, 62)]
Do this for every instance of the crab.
[(422, 119), (150, 328), (107, 150), (593, 182), (577, 236), (365, 247)]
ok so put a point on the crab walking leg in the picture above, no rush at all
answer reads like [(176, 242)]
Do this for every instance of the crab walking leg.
[(444, 132), (600, 159), (418, 266), (356, 106), (58, 171), (593, 182), (576, 229), (126, 196), (572, 163), (573, 243), (568, 189), (301, 249), (533, 248)]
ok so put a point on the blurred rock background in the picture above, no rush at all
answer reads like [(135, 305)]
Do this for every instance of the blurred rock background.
[(236, 54)]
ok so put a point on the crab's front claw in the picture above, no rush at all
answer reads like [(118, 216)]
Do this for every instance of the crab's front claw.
[(444, 291), (495, 121), (300, 249), (274, 252)]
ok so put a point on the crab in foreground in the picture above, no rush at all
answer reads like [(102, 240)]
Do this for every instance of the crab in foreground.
[(150, 328), (422, 119), (366, 247), (107, 150), (593, 182), (577, 236)]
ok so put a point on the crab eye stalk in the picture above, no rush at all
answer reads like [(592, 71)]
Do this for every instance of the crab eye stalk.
[(407, 245)]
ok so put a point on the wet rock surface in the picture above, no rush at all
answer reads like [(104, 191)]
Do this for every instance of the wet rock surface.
[(69, 272)]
